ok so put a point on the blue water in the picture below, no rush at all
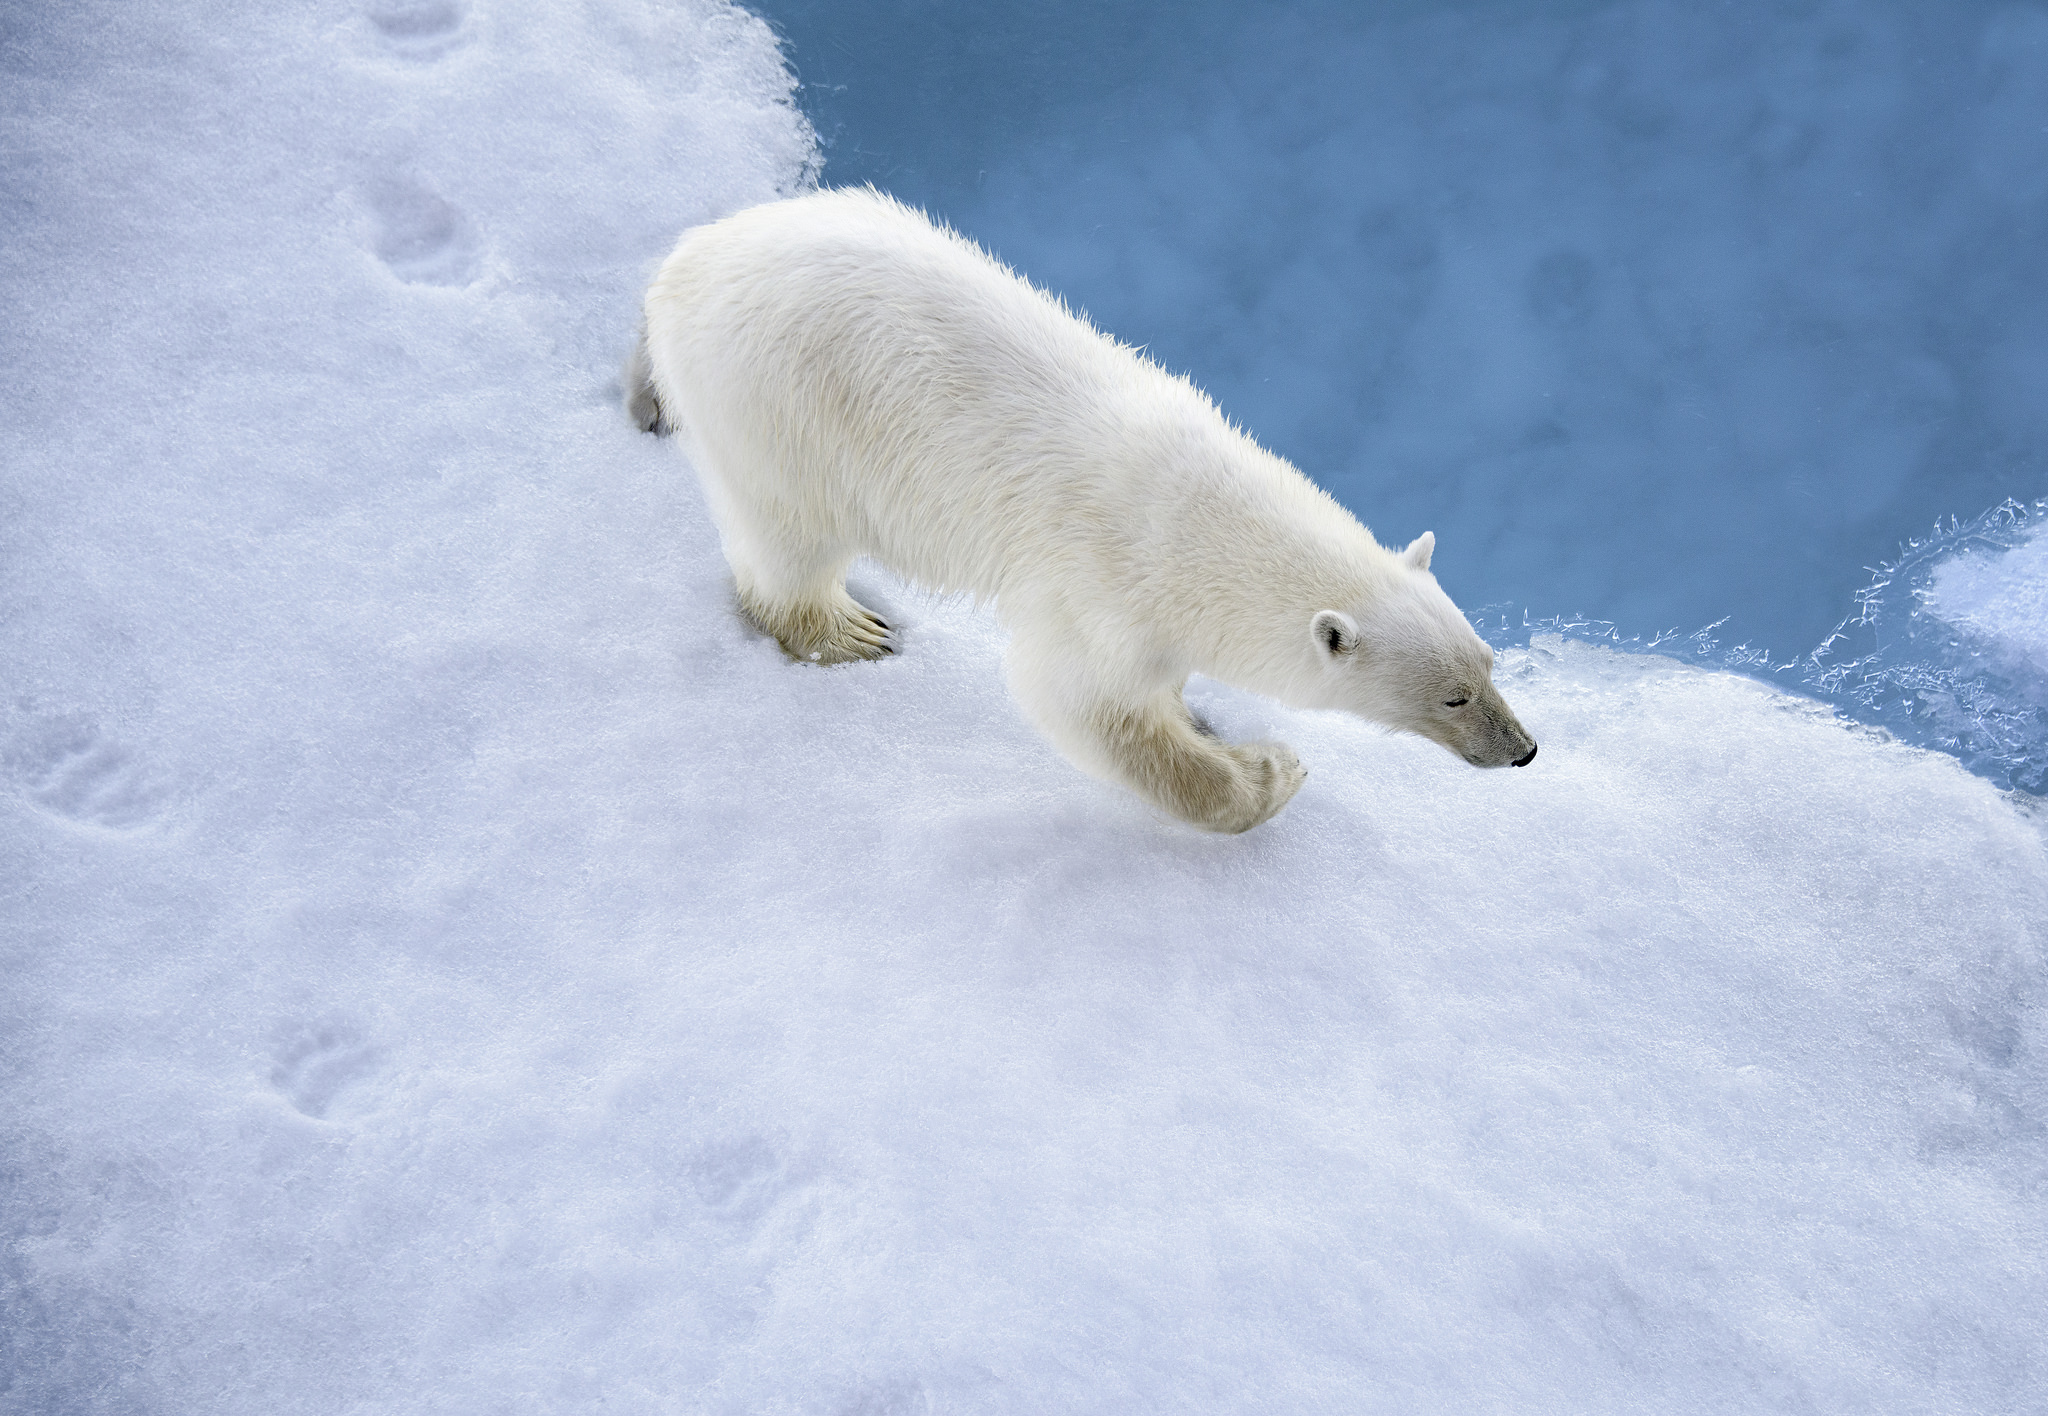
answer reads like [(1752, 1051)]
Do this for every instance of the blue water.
[(1659, 315)]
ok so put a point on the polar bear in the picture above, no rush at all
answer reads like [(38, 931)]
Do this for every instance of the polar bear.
[(850, 379)]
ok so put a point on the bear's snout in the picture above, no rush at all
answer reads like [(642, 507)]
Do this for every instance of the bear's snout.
[(1525, 761)]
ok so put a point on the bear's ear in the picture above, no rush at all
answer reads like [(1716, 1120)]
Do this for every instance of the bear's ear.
[(1418, 552), (1336, 633)]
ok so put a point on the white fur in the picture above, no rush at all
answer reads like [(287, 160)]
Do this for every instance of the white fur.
[(851, 380)]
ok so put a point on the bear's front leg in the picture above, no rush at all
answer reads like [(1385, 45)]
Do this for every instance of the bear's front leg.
[(1160, 753), (1143, 738)]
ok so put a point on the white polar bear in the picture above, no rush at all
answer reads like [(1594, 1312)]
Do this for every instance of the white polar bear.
[(851, 380)]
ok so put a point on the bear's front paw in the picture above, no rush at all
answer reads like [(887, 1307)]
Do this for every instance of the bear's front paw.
[(1272, 774)]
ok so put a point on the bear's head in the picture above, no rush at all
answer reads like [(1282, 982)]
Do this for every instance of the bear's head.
[(1406, 658)]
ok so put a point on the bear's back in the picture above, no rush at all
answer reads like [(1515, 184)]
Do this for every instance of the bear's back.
[(872, 372)]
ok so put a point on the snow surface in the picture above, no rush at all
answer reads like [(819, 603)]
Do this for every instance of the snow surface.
[(453, 965)]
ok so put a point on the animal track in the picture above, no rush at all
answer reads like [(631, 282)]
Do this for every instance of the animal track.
[(423, 239), (69, 768), (736, 1178), (418, 29), (317, 1063)]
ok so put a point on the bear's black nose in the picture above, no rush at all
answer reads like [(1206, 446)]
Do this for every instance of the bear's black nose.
[(1524, 762)]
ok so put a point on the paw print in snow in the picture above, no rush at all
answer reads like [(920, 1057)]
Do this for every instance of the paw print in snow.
[(418, 29), (737, 1178), (423, 239), (320, 1064), (70, 769)]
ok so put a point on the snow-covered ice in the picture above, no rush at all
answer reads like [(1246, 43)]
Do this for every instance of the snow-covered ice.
[(2001, 601), (1949, 646), (451, 964)]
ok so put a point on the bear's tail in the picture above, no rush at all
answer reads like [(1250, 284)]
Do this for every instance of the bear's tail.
[(643, 402)]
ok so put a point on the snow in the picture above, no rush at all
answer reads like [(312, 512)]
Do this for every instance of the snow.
[(453, 965)]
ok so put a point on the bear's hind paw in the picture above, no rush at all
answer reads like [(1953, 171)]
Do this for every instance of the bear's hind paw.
[(828, 634)]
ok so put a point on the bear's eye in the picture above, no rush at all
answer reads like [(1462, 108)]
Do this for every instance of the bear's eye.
[(1456, 702)]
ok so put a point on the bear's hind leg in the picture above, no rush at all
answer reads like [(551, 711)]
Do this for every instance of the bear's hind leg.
[(643, 403), (790, 585), (809, 612)]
